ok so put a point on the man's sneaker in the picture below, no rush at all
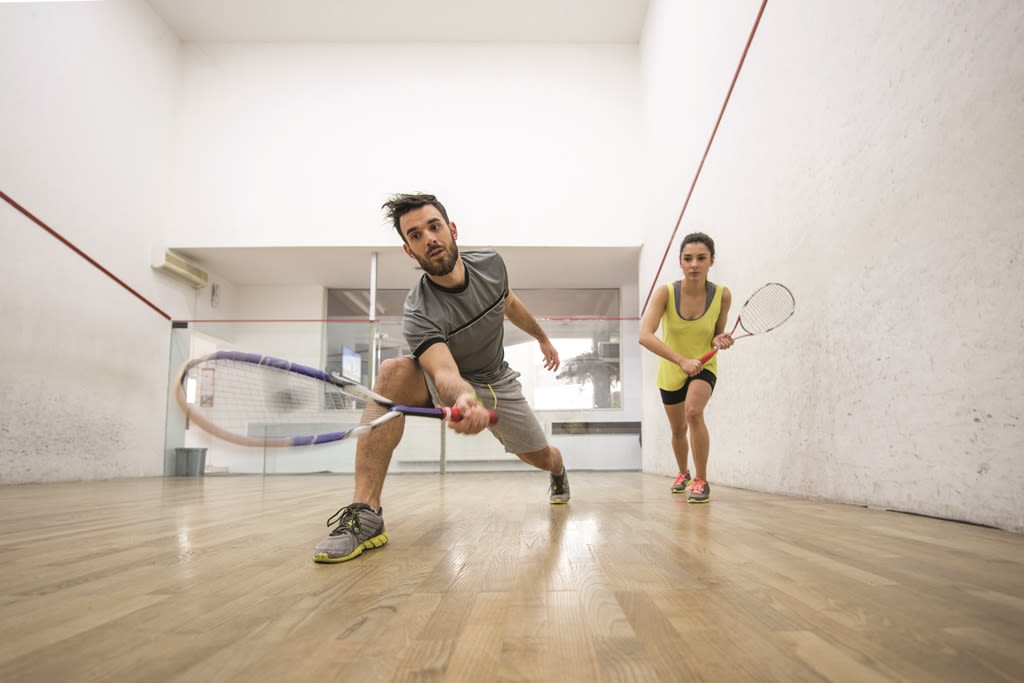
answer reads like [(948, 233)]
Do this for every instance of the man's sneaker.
[(558, 493), (682, 482), (700, 492), (359, 528)]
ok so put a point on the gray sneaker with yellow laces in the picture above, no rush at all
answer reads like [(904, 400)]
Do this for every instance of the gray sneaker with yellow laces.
[(359, 528)]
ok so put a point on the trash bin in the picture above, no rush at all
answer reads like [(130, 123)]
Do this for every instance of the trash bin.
[(189, 462)]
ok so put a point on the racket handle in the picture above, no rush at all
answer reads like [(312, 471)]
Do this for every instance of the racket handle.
[(455, 415), (708, 356)]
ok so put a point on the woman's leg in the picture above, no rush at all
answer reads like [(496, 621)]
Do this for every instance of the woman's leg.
[(697, 398), (677, 423)]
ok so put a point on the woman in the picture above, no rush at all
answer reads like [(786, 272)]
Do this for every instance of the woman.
[(692, 313)]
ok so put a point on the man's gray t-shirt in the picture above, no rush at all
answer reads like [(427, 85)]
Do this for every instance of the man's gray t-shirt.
[(469, 319)]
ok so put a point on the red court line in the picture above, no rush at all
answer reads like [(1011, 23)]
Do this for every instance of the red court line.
[(583, 317), (367, 320), (279, 320), (704, 158), (78, 251)]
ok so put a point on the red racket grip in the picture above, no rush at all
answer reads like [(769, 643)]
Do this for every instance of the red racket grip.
[(455, 415), (707, 356)]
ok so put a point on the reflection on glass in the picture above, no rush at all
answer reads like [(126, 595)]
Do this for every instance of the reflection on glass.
[(190, 389), (206, 388), (351, 364)]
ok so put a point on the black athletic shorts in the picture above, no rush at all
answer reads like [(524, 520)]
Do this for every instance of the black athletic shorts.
[(671, 398)]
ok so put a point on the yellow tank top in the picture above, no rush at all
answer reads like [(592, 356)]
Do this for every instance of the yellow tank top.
[(691, 338)]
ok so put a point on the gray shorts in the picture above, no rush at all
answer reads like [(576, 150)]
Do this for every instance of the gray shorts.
[(517, 428)]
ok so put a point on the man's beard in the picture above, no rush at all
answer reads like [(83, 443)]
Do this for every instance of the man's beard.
[(446, 265)]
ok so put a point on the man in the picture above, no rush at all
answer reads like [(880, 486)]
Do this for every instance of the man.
[(453, 322)]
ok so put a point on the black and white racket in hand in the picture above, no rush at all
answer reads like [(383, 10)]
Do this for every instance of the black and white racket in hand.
[(255, 400), (767, 308)]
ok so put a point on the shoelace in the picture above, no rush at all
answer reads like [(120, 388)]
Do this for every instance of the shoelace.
[(697, 486), (347, 519), (680, 478)]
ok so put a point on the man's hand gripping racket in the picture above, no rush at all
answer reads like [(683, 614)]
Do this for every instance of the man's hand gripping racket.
[(766, 309), (255, 400)]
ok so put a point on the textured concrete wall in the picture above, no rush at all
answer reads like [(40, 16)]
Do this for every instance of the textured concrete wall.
[(871, 159)]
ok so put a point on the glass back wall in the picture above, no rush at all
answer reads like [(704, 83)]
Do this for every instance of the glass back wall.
[(598, 382), (583, 324)]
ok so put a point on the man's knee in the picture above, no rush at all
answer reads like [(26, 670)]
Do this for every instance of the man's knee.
[(544, 458), (400, 379), (395, 368)]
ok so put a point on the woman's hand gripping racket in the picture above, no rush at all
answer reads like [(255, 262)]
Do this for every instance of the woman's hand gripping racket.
[(766, 309), (255, 400)]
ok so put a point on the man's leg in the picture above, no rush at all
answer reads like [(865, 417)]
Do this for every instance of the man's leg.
[(520, 432), (360, 526), (400, 380), (550, 459)]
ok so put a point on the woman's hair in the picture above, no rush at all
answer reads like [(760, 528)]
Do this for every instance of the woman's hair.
[(398, 205), (698, 237)]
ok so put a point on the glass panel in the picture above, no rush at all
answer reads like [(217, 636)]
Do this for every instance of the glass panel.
[(576, 303), (582, 324), (590, 379), (355, 303), (543, 303)]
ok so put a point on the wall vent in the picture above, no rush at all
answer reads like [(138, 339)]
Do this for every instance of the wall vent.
[(591, 428)]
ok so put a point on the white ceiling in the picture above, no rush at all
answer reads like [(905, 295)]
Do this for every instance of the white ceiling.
[(521, 21), (463, 21)]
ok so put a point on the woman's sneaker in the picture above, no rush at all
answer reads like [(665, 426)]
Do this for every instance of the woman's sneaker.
[(700, 492), (682, 482), (359, 528)]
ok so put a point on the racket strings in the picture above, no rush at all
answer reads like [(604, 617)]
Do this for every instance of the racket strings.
[(767, 308), (253, 400)]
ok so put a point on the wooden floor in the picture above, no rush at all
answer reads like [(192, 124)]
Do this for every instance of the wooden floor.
[(210, 579)]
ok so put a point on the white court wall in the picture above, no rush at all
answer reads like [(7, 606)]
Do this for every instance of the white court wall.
[(84, 370), (871, 159), (298, 145), (89, 97)]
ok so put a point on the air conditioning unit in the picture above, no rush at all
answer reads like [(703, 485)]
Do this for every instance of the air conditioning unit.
[(172, 264)]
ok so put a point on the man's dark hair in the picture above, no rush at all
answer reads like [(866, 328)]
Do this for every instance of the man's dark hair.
[(398, 205), (698, 237)]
